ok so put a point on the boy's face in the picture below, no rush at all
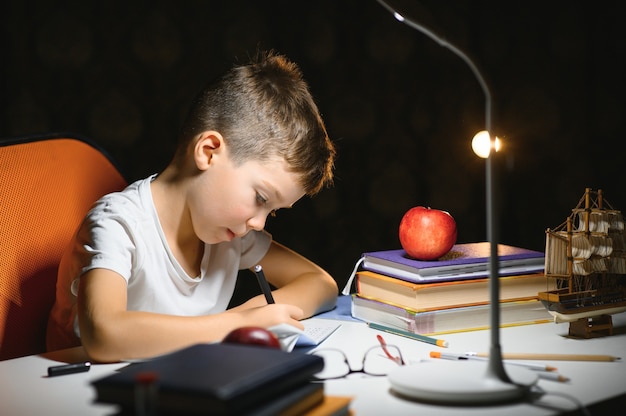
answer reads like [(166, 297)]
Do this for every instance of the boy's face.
[(232, 200)]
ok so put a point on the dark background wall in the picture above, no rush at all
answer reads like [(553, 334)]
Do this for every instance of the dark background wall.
[(401, 108)]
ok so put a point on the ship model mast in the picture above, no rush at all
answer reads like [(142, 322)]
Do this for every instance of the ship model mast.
[(586, 256)]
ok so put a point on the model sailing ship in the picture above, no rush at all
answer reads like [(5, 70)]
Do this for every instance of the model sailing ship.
[(587, 257)]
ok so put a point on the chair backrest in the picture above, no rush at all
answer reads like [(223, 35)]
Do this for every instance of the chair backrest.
[(47, 185)]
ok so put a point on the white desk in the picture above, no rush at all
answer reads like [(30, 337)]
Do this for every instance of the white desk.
[(25, 388)]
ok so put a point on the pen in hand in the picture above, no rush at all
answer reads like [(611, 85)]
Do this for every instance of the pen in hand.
[(265, 287)]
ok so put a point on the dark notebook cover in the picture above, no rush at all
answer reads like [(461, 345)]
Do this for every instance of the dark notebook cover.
[(220, 379), (297, 401), (463, 261)]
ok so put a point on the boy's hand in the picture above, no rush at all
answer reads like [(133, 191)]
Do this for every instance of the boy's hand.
[(273, 314)]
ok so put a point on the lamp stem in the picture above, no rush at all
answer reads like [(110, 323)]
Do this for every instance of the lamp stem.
[(495, 366)]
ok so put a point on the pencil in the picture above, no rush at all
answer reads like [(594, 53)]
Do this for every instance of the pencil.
[(552, 376), (423, 338), (550, 357), (265, 287), (452, 356)]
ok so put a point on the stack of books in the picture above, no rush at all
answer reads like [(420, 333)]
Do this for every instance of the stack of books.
[(450, 294), (222, 379)]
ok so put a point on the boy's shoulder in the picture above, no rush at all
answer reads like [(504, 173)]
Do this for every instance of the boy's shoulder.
[(135, 198)]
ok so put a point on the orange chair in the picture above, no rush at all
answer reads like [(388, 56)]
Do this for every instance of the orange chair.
[(47, 185)]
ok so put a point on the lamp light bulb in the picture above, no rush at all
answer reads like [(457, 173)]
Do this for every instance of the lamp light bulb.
[(481, 144), (398, 16)]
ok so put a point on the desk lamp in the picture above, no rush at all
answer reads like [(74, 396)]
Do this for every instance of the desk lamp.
[(450, 382)]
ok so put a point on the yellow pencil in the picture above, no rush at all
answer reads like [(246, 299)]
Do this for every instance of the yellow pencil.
[(423, 338)]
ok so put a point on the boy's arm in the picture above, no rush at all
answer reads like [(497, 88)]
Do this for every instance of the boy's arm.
[(298, 280), (111, 333)]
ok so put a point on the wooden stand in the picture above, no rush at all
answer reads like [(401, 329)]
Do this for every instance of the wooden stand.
[(586, 327)]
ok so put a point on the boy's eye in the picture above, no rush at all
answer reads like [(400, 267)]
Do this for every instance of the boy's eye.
[(260, 199)]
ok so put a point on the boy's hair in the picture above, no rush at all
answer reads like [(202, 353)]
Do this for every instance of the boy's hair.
[(264, 110)]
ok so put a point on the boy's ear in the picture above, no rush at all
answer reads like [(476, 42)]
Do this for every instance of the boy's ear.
[(208, 145)]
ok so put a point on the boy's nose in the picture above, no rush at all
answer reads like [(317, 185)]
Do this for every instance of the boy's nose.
[(257, 222)]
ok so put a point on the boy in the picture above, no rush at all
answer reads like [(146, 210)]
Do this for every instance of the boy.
[(153, 268)]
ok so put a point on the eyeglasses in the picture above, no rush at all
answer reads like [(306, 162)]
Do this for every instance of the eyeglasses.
[(377, 361)]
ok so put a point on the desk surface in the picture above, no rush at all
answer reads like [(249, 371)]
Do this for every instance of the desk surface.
[(26, 389)]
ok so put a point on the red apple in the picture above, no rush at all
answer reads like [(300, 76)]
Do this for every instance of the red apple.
[(252, 335), (426, 233)]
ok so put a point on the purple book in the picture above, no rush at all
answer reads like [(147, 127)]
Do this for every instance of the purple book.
[(463, 261)]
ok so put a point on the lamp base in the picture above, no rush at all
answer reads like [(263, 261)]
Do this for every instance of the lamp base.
[(460, 383)]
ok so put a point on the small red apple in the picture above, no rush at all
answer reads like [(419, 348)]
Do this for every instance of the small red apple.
[(426, 233), (252, 335)]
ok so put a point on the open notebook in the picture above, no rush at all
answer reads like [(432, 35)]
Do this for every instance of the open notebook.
[(315, 331)]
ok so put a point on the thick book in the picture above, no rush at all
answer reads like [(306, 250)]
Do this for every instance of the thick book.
[(302, 400), (220, 379), (295, 402), (428, 296), (443, 321), (332, 406), (463, 261)]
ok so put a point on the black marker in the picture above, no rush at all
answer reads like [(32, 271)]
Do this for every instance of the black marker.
[(59, 370), (265, 287)]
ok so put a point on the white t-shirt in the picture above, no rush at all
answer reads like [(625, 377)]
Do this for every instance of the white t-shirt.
[(122, 233)]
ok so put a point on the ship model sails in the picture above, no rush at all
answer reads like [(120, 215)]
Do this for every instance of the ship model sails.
[(587, 257)]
